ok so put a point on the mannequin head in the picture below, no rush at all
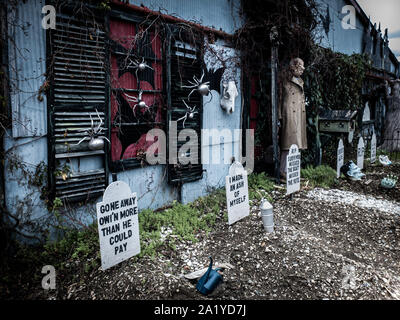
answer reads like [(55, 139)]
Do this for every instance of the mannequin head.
[(297, 67)]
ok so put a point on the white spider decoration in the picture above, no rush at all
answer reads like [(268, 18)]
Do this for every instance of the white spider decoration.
[(139, 66), (138, 100), (96, 140), (198, 85), (189, 113)]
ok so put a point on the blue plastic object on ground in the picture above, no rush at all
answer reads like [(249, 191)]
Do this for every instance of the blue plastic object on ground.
[(210, 280)]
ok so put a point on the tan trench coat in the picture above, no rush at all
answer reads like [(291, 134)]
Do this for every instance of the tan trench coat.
[(292, 113)]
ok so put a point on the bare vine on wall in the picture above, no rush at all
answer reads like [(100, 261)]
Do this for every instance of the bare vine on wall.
[(32, 178), (294, 20)]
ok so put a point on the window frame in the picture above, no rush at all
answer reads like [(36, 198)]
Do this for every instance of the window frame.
[(138, 19), (173, 176)]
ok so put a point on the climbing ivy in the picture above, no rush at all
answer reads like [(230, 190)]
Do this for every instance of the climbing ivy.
[(332, 81)]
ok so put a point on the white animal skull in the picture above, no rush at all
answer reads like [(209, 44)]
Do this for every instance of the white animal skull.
[(228, 97)]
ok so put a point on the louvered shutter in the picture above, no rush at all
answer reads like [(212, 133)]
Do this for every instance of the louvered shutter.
[(184, 61), (78, 95)]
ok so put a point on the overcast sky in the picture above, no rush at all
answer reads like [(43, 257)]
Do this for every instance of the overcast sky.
[(387, 12)]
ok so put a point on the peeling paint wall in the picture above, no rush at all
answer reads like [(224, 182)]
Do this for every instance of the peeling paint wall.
[(21, 198), (28, 138), (27, 65)]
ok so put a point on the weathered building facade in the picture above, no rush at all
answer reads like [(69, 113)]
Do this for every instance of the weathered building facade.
[(61, 79), (84, 75), (349, 35)]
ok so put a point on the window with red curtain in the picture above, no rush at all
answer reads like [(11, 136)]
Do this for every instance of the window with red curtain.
[(131, 44)]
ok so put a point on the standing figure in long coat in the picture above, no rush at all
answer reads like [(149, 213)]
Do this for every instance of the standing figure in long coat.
[(292, 113)]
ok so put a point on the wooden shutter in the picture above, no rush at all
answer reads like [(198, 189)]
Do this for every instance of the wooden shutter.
[(184, 61), (78, 92)]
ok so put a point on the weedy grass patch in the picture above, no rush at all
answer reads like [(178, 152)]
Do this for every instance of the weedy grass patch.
[(184, 221), (79, 250), (321, 176), (260, 186)]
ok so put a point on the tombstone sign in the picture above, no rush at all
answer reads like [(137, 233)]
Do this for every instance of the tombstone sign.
[(367, 113), (237, 193), (293, 161), (360, 153), (118, 224), (373, 148), (350, 137), (340, 157)]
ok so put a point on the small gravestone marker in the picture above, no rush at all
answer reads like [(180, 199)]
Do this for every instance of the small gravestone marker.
[(367, 113), (293, 161), (237, 193), (350, 136), (340, 157), (373, 148), (118, 224), (360, 153)]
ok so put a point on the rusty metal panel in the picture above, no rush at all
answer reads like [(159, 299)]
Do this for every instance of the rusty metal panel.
[(27, 66)]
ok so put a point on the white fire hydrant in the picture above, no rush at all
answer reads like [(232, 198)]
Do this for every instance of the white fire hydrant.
[(267, 215)]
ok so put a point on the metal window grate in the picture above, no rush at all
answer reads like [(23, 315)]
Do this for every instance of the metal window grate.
[(78, 95), (185, 62)]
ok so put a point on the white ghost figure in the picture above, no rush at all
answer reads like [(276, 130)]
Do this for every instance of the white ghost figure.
[(228, 97)]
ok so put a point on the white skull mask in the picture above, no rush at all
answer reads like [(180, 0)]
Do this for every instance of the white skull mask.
[(228, 97)]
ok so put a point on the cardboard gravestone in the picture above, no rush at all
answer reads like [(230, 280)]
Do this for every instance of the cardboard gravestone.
[(360, 153), (118, 224), (373, 148), (293, 161), (340, 157), (237, 193)]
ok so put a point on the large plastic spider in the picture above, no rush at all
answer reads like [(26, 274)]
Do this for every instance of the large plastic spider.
[(189, 113), (198, 85), (138, 100), (96, 140), (139, 66)]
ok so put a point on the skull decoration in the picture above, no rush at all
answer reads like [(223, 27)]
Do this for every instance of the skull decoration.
[(96, 140), (228, 97)]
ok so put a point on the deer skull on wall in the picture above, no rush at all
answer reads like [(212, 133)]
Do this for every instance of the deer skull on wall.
[(228, 96)]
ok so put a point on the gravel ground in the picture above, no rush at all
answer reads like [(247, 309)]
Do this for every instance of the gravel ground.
[(327, 244)]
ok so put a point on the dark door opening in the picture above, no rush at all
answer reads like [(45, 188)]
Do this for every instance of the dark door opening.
[(258, 116)]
